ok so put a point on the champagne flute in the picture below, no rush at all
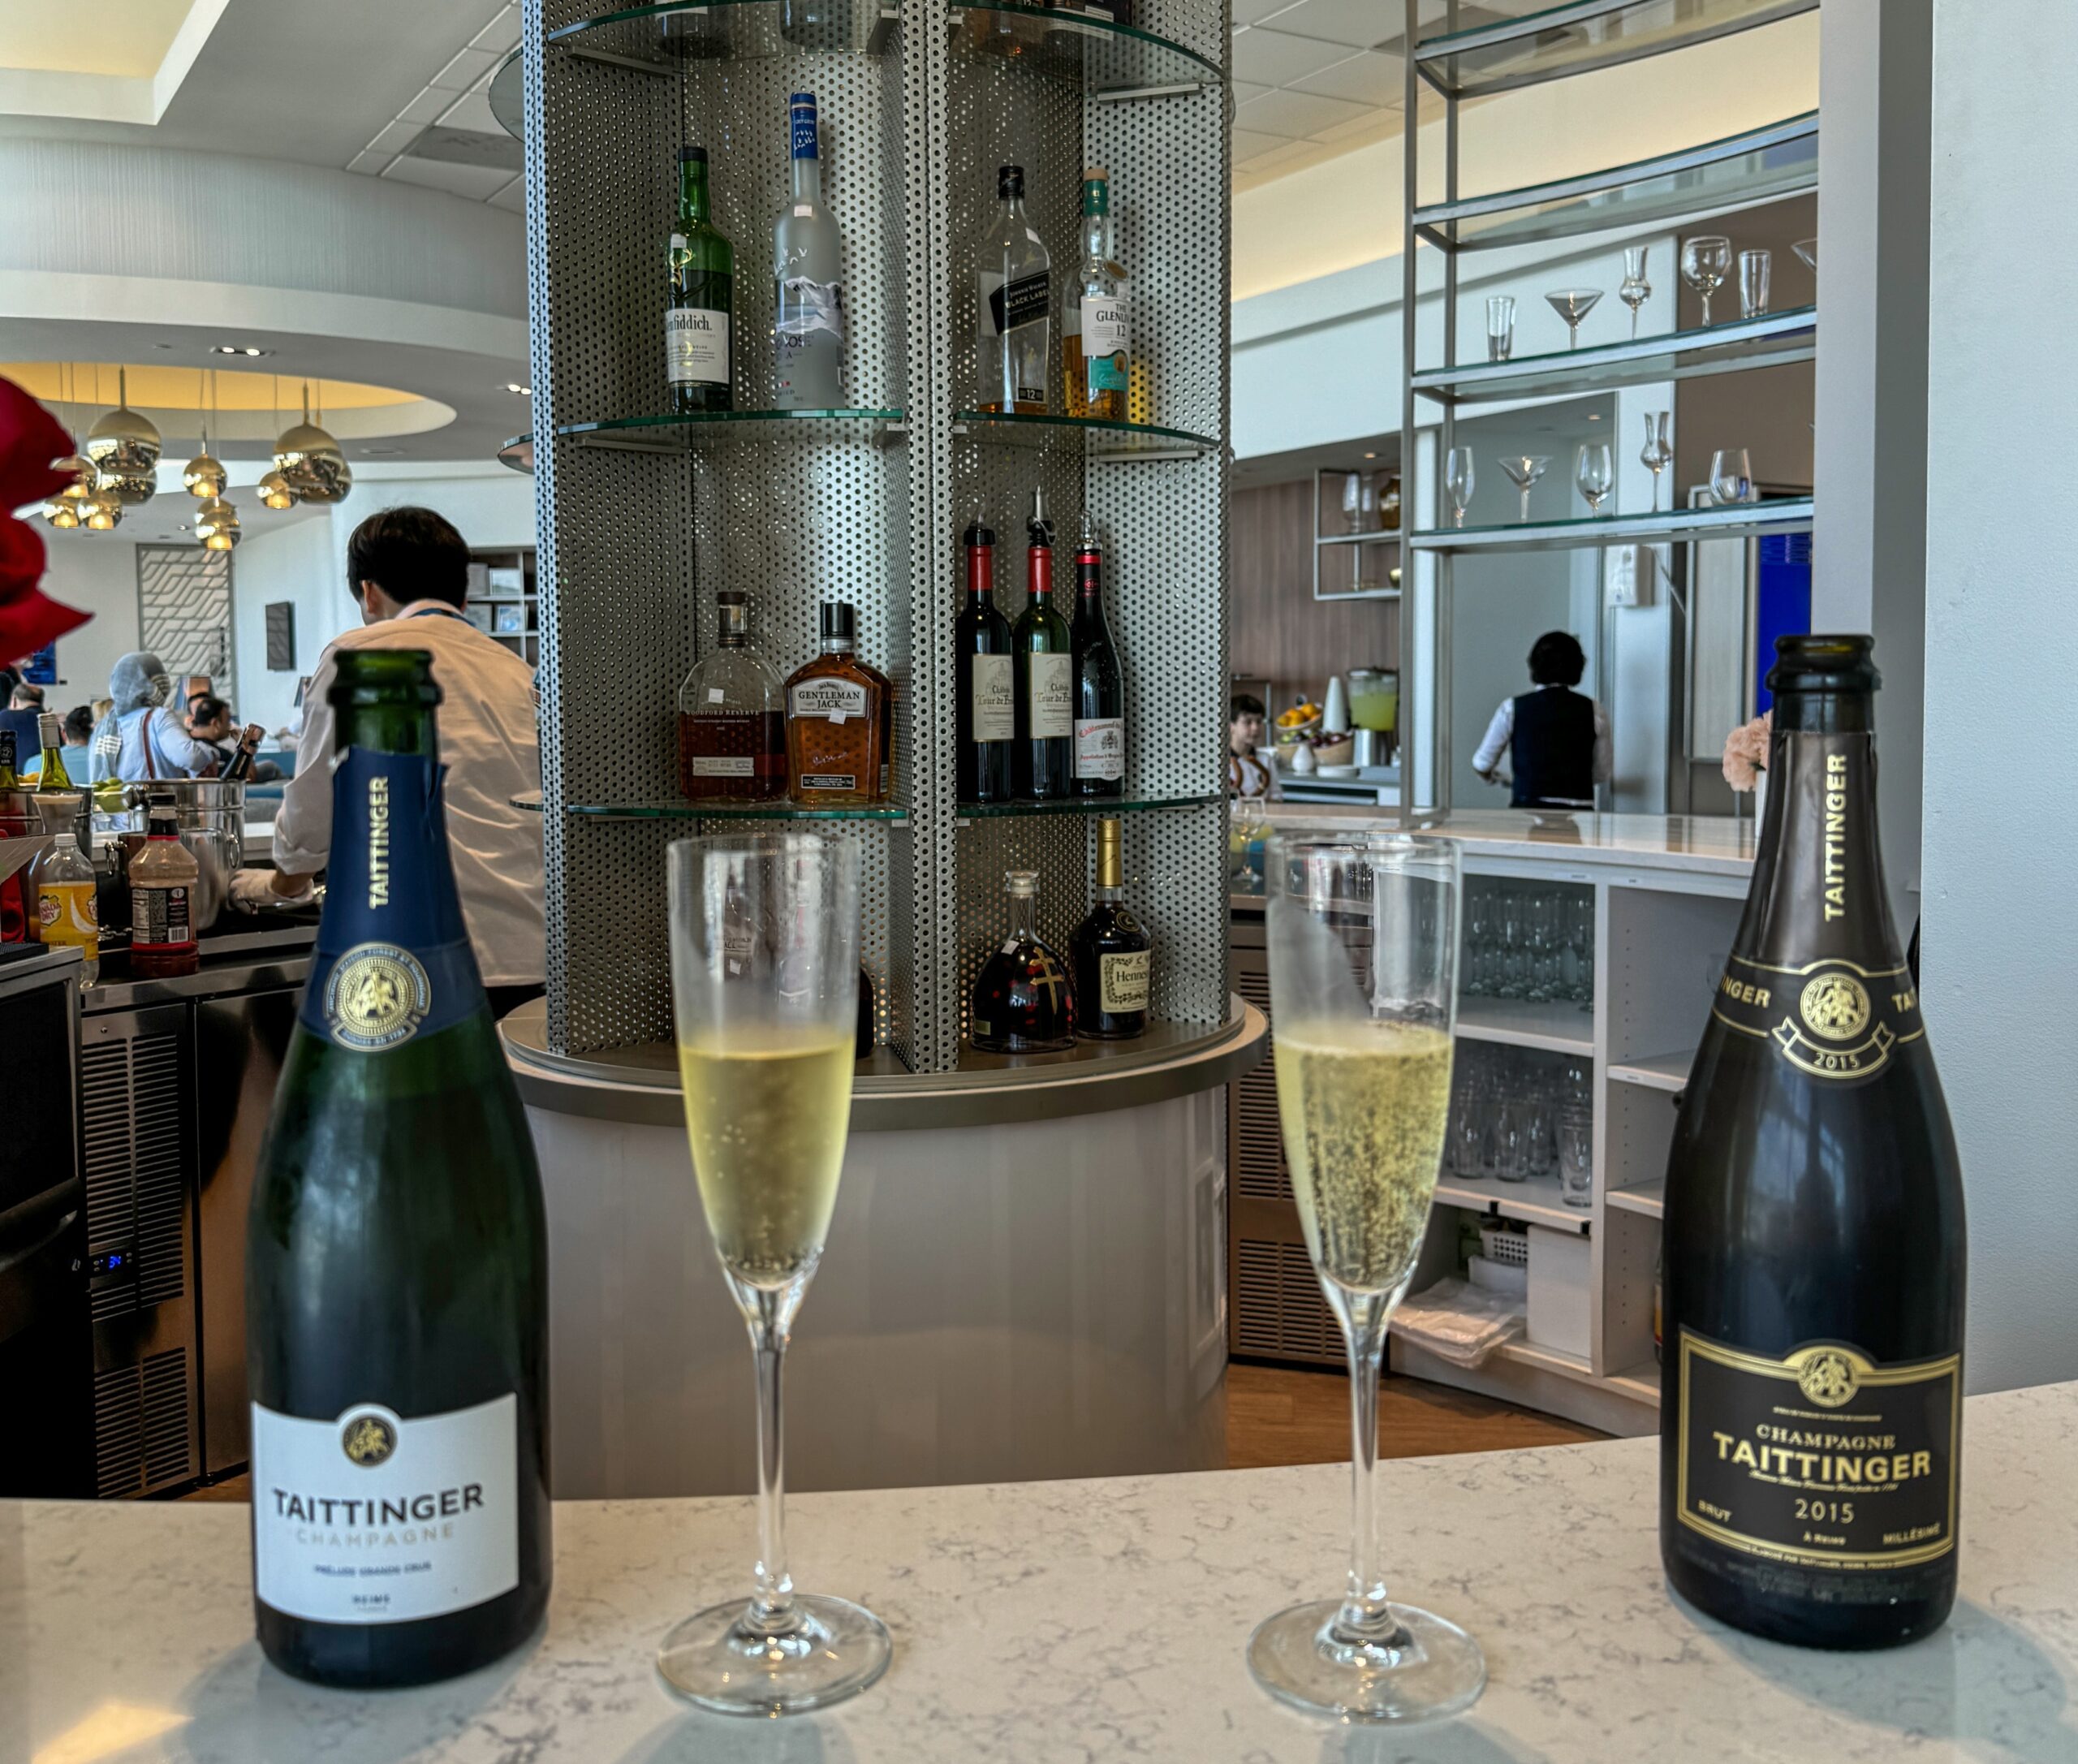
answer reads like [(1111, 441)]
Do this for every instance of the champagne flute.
[(1635, 290), (1706, 261), (764, 977), (1525, 469), (1574, 304), (1458, 480), (1594, 474), (1658, 453), (1364, 1092)]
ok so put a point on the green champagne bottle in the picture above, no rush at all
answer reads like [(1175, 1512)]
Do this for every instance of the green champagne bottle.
[(396, 1260)]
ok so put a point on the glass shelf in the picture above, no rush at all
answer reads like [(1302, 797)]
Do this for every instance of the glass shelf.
[(1762, 165), (507, 93), (1766, 341), (1744, 520), (1100, 440), (1582, 36), (1077, 806), (678, 809), (518, 453), (672, 35), (1095, 56), (739, 429)]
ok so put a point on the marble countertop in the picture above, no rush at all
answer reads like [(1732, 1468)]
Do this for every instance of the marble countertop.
[(1708, 844), (1078, 1623)]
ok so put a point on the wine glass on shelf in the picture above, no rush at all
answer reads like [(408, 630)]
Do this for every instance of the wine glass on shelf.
[(1594, 474), (1352, 502), (1458, 480), (1705, 262), (1525, 469), (1500, 326), (1658, 453), (764, 977), (1807, 253), (1635, 290), (1364, 1082), (1574, 304), (1755, 269), (1731, 478)]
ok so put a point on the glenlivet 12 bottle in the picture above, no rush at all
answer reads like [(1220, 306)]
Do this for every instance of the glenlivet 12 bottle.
[(396, 1257), (1811, 1396)]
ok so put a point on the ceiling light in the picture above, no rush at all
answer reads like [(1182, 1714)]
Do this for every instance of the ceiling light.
[(85, 477), (204, 477), (61, 514), (275, 489), (124, 447), (238, 349), (383, 453), (1370, 456), (311, 460), (102, 510), (216, 525), (524, 391)]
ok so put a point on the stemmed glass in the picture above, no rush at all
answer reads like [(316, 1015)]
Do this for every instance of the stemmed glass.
[(1458, 480), (1635, 290), (1352, 502), (1658, 453), (1706, 261), (1807, 253), (1363, 1085), (1525, 469), (1594, 472), (1731, 478), (764, 978), (1574, 304)]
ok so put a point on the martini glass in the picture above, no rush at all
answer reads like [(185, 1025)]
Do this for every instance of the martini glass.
[(1705, 262), (1807, 253), (1525, 469), (1574, 304), (1658, 453)]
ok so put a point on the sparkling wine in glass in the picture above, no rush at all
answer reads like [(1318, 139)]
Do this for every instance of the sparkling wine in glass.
[(1574, 304), (1594, 474), (1658, 453), (1705, 262), (764, 976), (1525, 469), (1731, 478), (1458, 480), (1635, 290), (1364, 1094)]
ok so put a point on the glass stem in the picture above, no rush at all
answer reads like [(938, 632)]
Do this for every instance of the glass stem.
[(772, 1607), (1365, 1615)]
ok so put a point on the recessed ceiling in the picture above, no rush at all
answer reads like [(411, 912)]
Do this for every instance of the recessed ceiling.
[(158, 386), (118, 60)]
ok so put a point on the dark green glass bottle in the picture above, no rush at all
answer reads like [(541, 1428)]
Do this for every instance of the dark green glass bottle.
[(1042, 759), (396, 1258), (1811, 1392), (698, 350)]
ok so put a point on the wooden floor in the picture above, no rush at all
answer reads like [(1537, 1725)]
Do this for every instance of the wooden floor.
[(1275, 1415)]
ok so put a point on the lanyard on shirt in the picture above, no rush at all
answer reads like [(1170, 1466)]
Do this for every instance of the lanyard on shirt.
[(431, 612)]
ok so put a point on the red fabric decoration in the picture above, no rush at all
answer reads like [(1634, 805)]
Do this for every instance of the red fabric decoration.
[(30, 438)]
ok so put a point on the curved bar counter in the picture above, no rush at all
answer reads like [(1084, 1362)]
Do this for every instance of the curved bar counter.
[(1015, 1290)]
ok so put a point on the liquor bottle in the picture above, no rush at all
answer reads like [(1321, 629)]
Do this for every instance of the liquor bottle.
[(732, 716), (65, 904), (240, 768), (698, 359), (1110, 951), (396, 1271), (1023, 1002), (162, 879), (1013, 306), (1099, 684), (50, 733), (838, 714), (985, 704), (808, 302), (1096, 319), (18, 913), (1813, 1251), (1043, 756), (862, 1043)]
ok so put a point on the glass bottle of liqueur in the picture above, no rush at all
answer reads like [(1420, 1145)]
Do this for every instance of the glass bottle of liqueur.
[(66, 910), (732, 716), (1043, 754), (1813, 1252), (240, 768), (985, 705), (162, 879), (1099, 684), (1022, 1002), (1013, 306), (807, 302), (1110, 951), (1097, 322), (838, 717), (396, 1269), (18, 910), (699, 361)]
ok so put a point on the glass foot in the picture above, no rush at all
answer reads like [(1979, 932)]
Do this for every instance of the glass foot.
[(1423, 1668), (835, 1649)]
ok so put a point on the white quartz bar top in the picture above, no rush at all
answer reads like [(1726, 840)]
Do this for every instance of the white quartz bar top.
[(1716, 845), (1070, 1623)]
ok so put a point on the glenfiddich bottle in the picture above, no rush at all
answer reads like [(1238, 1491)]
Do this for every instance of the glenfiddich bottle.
[(1811, 1399), (396, 1257)]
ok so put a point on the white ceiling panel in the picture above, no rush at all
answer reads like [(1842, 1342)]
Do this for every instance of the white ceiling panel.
[(1297, 114), (512, 196), (1271, 59), (1369, 78), (478, 183), (1358, 23), (1248, 145)]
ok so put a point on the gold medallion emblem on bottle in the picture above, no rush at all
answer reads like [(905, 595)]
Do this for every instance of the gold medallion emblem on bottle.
[(375, 997)]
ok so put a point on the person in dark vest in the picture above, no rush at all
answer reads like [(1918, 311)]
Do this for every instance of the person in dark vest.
[(1556, 740)]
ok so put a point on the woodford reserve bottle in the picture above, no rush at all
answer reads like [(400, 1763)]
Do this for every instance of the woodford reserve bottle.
[(1811, 1399)]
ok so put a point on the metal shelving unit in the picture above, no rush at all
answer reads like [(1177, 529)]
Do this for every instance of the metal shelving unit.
[(1690, 183)]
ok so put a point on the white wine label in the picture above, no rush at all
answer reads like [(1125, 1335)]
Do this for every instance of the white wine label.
[(1825, 1459), (159, 917), (696, 345), (1122, 980), (994, 704), (1100, 747), (1830, 1019), (1053, 697), (834, 699), (370, 1518), (723, 765)]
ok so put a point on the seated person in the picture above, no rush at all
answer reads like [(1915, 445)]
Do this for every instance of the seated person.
[(1247, 775)]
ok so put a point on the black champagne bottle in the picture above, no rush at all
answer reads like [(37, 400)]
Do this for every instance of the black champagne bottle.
[(396, 1259), (1811, 1398), (985, 704), (1043, 767), (1100, 683)]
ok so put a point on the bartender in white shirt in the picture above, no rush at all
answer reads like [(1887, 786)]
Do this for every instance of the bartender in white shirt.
[(409, 570), (1556, 740)]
